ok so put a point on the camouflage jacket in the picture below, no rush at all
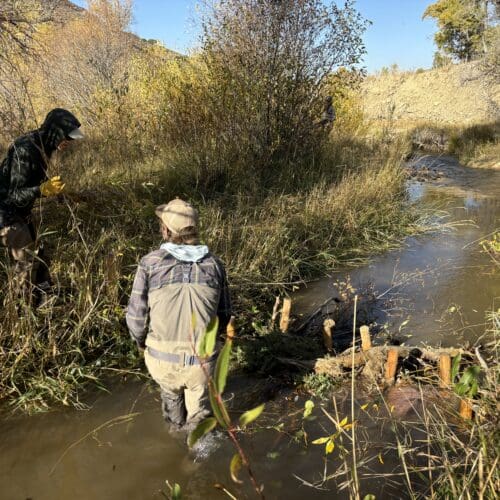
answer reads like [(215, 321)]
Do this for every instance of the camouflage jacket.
[(25, 166)]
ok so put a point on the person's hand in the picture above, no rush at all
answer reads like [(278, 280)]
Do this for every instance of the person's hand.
[(52, 187)]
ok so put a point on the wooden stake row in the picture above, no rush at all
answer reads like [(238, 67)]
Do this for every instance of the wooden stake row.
[(391, 365), (444, 378)]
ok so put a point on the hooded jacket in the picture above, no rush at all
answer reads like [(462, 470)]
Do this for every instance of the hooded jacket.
[(25, 166)]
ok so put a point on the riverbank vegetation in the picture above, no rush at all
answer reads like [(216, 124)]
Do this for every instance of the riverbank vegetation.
[(233, 128), (433, 451), (475, 145)]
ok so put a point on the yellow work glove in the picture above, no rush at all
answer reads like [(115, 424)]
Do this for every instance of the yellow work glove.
[(52, 187)]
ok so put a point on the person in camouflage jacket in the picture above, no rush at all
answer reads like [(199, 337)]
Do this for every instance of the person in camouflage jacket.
[(23, 179)]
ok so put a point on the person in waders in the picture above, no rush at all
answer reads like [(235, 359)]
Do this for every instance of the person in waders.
[(178, 289), (23, 179)]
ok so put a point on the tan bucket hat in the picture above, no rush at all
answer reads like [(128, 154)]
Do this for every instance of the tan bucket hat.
[(177, 215)]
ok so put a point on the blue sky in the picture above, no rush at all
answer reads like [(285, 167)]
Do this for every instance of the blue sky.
[(398, 34)]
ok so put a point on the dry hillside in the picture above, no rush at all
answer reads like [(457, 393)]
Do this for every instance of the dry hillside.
[(453, 95), (65, 11)]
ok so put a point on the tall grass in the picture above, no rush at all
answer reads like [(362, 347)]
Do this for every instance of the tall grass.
[(467, 143), (296, 223)]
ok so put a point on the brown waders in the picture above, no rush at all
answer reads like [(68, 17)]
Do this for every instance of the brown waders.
[(31, 272), (184, 390)]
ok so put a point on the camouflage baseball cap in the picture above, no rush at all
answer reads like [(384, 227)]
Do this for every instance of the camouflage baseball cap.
[(177, 215)]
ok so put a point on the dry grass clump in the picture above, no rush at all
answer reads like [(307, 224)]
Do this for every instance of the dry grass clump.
[(469, 144)]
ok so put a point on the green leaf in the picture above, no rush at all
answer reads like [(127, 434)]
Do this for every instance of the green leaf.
[(176, 492), (235, 467), (251, 415), (461, 389), (455, 366), (211, 335), (222, 367), (470, 374), (207, 343), (474, 388), (308, 408), (202, 428), (370, 497), (219, 410)]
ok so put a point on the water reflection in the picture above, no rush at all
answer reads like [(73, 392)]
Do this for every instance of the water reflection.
[(444, 283)]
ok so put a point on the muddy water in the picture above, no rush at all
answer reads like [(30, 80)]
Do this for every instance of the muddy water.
[(440, 284), (121, 449)]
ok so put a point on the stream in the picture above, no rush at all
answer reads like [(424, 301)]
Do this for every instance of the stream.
[(435, 289)]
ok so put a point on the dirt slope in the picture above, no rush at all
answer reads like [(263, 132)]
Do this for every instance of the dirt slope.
[(455, 95)]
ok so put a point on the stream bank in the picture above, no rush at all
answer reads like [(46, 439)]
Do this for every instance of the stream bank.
[(436, 290)]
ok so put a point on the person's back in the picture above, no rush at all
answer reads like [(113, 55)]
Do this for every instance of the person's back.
[(328, 116), (183, 290), (24, 165), (177, 291)]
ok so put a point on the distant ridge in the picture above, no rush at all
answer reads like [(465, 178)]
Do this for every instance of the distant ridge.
[(66, 10)]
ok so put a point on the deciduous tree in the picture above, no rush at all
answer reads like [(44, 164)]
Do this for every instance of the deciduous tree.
[(462, 26), (19, 22), (268, 63)]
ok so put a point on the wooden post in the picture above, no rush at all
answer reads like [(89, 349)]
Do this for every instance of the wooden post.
[(328, 325), (231, 328), (465, 409), (445, 370), (391, 365), (285, 314), (275, 310), (366, 341)]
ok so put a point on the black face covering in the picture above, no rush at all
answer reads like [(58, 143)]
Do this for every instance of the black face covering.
[(56, 127)]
